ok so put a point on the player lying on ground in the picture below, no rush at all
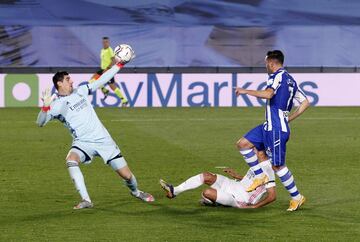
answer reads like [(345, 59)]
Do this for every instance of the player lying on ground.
[(90, 138), (229, 192)]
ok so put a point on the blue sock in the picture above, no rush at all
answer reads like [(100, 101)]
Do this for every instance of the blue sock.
[(251, 159), (287, 180)]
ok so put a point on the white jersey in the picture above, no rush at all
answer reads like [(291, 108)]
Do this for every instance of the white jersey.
[(255, 196), (78, 115), (233, 193)]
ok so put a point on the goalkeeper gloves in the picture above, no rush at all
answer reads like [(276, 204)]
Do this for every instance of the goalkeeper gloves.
[(47, 99)]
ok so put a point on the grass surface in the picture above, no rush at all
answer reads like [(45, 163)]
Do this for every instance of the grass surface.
[(37, 194)]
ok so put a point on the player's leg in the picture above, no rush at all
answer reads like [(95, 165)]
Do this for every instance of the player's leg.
[(261, 154), (209, 196), (278, 153), (287, 179), (73, 159), (213, 196), (246, 145), (119, 165), (111, 154), (105, 91), (248, 152), (117, 91), (190, 184), (195, 181)]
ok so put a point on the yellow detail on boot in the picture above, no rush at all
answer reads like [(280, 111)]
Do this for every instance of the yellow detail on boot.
[(296, 204), (258, 182)]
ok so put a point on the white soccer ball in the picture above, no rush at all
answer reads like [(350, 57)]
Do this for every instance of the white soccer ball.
[(124, 53)]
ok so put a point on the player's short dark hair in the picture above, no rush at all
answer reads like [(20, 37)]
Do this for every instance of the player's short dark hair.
[(275, 55), (105, 37), (59, 77)]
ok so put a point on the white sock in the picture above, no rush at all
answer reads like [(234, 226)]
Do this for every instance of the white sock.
[(78, 178), (191, 183)]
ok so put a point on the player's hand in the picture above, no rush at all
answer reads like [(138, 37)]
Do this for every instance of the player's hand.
[(247, 206), (123, 62), (47, 98), (239, 91), (244, 205), (230, 171)]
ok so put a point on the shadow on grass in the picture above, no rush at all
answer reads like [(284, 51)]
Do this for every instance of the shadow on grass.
[(195, 215)]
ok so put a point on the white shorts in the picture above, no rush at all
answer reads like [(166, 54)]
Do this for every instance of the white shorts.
[(229, 192), (106, 149)]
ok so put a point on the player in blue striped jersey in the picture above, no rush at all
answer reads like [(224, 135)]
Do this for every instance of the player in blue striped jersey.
[(273, 135)]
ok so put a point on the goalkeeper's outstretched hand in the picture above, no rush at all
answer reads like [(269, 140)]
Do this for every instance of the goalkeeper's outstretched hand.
[(47, 99), (123, 54), (122, 62)]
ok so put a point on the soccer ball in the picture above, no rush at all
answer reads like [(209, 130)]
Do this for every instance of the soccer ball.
[(124, 53)]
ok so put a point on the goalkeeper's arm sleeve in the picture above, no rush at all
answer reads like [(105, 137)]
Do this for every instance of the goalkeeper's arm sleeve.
[(42, 118), (104, 78)]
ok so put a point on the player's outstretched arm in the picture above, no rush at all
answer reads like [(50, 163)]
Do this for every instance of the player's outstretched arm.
[(233, 174), (270, 197), (267, 93), (42, 118), (104, 78)]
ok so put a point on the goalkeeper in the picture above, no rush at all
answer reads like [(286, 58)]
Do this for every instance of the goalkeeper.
[(108, 60), (72, 107)]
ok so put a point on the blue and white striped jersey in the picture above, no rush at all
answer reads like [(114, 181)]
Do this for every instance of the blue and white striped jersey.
[(279, 106)]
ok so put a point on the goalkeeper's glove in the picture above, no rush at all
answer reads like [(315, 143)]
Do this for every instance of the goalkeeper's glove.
[(47, 99)]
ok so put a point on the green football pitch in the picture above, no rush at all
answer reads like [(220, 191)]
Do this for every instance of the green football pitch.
[(37, 195)]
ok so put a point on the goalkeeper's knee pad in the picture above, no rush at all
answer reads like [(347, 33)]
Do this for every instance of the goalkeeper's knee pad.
[(117, 162)]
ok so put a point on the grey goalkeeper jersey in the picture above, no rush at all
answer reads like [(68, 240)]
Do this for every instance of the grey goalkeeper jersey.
[(76, 112)]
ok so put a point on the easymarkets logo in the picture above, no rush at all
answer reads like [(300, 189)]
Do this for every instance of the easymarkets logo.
[(171, 90)]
